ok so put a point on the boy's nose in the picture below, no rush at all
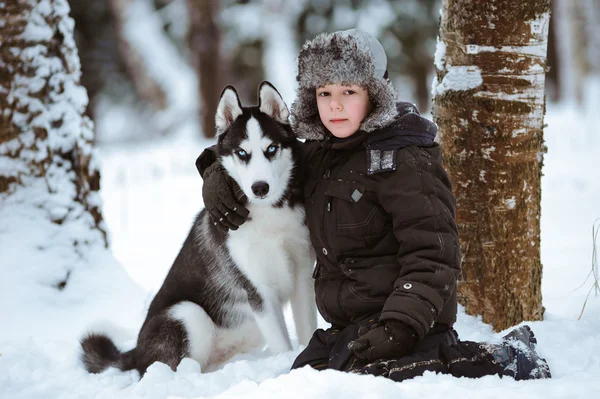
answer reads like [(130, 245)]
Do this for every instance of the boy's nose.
[(335, 104)]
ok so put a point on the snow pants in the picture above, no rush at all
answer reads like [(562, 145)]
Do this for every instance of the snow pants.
[(440, 351)]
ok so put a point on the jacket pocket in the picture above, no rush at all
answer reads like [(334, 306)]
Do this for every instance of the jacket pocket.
[(357, 212), (372, 278), (370, 282)]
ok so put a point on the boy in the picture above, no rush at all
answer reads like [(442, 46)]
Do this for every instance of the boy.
[(381, 216)]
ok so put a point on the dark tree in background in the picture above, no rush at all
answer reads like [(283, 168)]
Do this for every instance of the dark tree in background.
[(553, 88), (243, 51), (578, 43), (410, 43), (246, 69), (120, 71), (225, 52), (98, 45), (147, 87), (204, 40)]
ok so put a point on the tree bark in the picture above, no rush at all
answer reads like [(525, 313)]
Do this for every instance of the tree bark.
[(489, 105), (204, 41), (46, 156)]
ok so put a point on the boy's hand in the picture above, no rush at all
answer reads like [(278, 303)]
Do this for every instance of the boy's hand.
[(389, 341), (223, 198)]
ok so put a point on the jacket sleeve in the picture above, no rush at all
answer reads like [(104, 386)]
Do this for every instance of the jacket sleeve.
[(308, 148), (419, 198), (206, 158)]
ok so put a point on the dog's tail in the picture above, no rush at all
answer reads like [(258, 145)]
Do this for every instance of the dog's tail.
[(100, 353)]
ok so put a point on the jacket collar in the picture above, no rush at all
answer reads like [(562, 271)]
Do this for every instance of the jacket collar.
[(354, 141), (407, 129)]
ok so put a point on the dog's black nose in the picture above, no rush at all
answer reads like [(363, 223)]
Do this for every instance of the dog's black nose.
[(260, 188)]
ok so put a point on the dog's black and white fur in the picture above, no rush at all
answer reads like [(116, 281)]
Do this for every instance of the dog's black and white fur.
[(225, 291)]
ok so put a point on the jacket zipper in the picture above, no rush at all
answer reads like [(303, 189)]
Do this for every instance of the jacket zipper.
[(325, 178)]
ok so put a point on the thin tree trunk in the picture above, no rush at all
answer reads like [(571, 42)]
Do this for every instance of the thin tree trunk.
[(489, 105), (98, 47), (146, 85), (204, 42), (46, 156), (563, 22), (420, 77), (553, 84)]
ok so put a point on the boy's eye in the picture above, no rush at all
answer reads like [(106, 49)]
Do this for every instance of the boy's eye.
[(272, 149), (323, 94), (349, 92), (241, 154)]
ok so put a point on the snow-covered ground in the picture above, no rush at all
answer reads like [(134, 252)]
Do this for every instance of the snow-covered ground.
[(151, 193)]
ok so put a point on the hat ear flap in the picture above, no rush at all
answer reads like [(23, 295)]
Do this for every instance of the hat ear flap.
[(271, 103), (228, 110)]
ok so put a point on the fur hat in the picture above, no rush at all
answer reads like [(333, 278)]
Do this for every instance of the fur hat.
[(344, 57)]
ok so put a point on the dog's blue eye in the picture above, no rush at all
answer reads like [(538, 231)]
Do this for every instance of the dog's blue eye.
[(241, 153), (272, 149)]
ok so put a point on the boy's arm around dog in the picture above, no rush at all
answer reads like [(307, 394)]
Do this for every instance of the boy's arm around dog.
[(223, 198)]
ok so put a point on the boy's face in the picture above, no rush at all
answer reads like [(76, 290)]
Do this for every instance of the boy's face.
[(343, 108)]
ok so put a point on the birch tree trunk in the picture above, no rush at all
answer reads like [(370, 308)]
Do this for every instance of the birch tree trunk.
[(48, 173), (489, 105)]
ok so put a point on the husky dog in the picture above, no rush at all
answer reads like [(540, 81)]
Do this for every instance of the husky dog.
[(225, 291)]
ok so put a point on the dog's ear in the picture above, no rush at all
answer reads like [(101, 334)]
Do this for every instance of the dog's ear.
[(228, 110), (271, 103)]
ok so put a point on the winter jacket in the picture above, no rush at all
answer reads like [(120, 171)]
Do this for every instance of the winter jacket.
[(381, 215)]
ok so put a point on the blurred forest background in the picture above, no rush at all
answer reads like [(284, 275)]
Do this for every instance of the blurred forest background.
[(151, 65)]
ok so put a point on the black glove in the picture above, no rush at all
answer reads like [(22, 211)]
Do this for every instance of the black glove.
[(223, 198), (392, 340)]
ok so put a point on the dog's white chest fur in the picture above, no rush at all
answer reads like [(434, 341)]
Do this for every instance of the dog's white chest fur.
[(270, 247)]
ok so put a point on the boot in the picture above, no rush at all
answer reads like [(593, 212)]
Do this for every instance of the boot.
[(516, 356)]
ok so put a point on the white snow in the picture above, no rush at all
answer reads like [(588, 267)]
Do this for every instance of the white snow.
[(459, 78), (487, 151), (481, 175), (440, 54), (511, 202), (535, 50)]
